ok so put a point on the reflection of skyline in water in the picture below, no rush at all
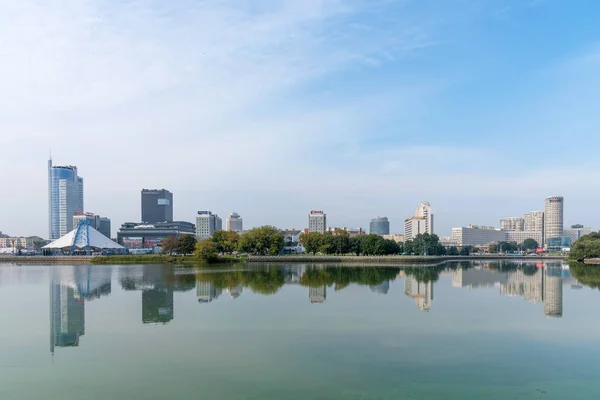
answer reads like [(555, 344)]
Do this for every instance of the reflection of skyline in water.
[(540, 284), (72, 286)]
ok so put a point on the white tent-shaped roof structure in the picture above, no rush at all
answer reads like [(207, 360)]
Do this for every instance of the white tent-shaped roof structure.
[(83, 237)]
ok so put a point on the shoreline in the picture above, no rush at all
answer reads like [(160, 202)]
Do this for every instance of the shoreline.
[(187, 260)]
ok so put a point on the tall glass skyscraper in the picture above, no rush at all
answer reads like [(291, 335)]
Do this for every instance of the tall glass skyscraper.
[(65, 199)]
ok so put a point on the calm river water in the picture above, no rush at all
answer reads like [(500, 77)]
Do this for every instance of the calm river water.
[(481, 330)]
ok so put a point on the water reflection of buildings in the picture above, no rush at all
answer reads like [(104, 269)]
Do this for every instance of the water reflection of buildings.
[(235, 291), (540, 285), (157, 286), (422, 292), (206, 292), (317, 294), (382, 288), (70, 288)]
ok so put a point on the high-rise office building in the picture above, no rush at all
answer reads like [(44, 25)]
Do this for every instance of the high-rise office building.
[(553, 218), (534, 221), (317, 221), (424, 210), (207, 223), (379, 226), (234, 223), (157, 206), (65, 199), (512, 224), (101, 224), (414, 226)]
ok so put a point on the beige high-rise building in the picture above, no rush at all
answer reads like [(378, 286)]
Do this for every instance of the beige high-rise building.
[(424, 210), (512, 224), (534, 221), (553, 218), (234, 223), (317, 221)]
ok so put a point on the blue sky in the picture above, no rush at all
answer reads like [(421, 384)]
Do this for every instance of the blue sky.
[(273, 108)]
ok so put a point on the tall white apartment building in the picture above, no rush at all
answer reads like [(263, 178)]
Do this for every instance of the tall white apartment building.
[(207, 224), (425, 211), (512, 224), (414, 226), (534, 221), (553, 218), (234, 223), (317, 221)]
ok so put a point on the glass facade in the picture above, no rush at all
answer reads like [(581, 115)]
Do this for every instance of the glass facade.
[(65, 199), (379, 226)]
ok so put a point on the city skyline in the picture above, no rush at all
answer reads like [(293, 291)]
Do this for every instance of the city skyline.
[(382, 105)]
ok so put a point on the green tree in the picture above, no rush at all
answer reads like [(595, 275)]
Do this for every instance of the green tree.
[(169, 245), (587, 246), (341, 242), (354, 245), (465, 251), (312, 241), (426, 244), (409, 247), (493, 248), (265, 240), (206, 251), (186, 244), (453, 251), (226, 241), (530, 244), (390, 247)]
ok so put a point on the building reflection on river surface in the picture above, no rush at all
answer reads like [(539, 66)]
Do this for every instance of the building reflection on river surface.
[(71, 287)]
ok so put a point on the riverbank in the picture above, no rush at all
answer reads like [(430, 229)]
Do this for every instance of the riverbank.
[(393, 260), (190, 260)]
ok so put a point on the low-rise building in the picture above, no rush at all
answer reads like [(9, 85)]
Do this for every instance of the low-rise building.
[(576, 232), (134, 235), (395, 237), (520, 236), (475, 235)]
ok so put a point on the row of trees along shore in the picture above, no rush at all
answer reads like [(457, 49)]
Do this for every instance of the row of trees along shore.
[(267, 240)]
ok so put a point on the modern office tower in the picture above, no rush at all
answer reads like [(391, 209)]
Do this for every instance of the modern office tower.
[(512, 224), (234, 223), (101, 224), (206, 292), (576, 232), (534, 221), (379, 226), (157, 206), (414, 226), (553, 218), (317, 221), (424, 210), (207, 223), (421, 292), (65, 199), (317, 294), (553, 291)]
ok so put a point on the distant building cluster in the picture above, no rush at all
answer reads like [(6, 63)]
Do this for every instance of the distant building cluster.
[(66, 212)]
